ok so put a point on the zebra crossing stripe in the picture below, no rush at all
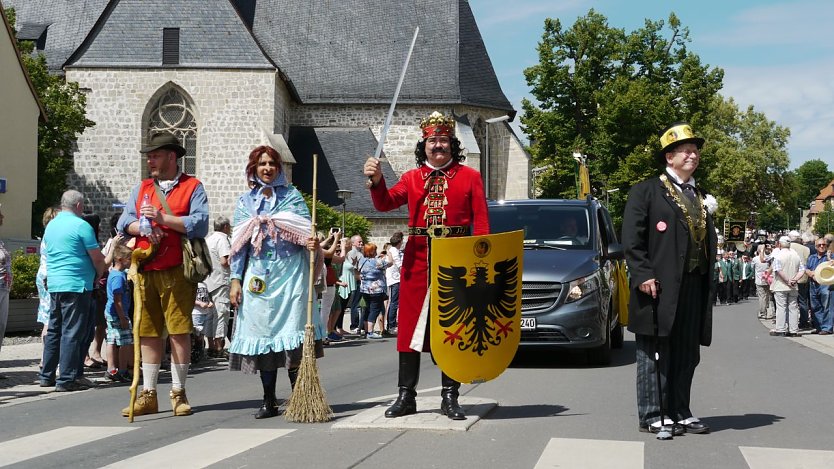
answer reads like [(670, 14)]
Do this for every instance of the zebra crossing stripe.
[(779, 458), (582, 453), (203, 450), (28, 447)]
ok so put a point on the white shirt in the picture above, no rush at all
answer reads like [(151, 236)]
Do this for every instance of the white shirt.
[(392, 273), (219, 247)]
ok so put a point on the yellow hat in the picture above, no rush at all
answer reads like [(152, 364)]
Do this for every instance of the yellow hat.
[(674, 135), (824, 273)]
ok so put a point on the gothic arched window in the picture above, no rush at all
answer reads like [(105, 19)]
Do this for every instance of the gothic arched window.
[(173, 112)]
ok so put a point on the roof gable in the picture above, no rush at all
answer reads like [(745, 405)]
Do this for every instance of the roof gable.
[(68, 23), (353, 51), (130, 32)]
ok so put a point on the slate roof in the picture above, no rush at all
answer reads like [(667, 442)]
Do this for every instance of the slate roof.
[(346, 51), (129, 33), (68, 24), (341, 153), (353, 50)]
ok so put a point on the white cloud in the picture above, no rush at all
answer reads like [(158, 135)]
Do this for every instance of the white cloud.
[(799, 96)]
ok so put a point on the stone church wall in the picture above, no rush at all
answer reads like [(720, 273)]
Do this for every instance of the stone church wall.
[(230, 107)]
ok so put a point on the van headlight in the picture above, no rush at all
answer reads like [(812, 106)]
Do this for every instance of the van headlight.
[(582, 286)]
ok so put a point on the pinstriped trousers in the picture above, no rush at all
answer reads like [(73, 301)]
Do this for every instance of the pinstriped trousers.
[(679, 356)]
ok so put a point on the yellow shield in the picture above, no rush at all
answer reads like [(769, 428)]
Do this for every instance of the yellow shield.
[(475, 313)]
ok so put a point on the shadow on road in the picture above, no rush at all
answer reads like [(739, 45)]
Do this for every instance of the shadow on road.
[(740, 422), (525, 411)]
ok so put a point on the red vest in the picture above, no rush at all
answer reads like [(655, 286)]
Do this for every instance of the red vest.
[(169, 251)]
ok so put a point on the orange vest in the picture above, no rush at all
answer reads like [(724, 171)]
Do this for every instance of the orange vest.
[(169, 251)]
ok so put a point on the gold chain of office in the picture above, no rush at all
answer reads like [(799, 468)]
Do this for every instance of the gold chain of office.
[(699, 231)]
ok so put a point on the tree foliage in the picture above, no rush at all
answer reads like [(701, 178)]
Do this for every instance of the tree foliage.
[(825, 221), (65, 120), (811, 177), (328, 217), (607, 93)]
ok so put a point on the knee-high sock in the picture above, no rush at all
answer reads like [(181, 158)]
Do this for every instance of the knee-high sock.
[(150, 375), (179, 372)]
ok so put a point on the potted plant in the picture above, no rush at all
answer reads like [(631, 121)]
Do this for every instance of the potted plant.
[(23, 297)]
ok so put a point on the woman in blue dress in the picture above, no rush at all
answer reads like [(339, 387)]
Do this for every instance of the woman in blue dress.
[(271, 245)]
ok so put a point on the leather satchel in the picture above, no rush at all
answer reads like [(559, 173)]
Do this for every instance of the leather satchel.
[(196, 260)]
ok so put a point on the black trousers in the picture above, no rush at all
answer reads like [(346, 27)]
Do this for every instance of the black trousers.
[(679, 356)]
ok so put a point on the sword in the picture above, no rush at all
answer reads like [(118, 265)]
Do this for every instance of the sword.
[(387, 125)]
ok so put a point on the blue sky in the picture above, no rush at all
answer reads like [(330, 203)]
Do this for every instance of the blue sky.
[(777, 55)]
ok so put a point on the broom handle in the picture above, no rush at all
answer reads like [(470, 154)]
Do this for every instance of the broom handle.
[(312, 233)]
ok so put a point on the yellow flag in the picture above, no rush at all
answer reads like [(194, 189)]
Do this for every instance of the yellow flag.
[(475, 314), (584, 181)]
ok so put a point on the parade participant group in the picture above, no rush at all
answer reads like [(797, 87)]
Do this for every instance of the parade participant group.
[(262, 266)]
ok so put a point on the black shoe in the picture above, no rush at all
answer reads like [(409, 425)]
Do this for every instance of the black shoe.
[(267, 410), (406, 404), (695, 427), (449, 406), (677, 429), (70, 387)]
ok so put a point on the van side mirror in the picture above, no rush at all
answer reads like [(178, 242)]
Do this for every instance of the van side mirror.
[(615, 251)]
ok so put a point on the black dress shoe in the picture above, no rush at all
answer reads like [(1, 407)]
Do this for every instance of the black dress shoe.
[(677, 429), (267, 410), (406, 404), (695, 427)]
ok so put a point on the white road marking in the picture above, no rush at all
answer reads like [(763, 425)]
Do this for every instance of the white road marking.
[(204, 449), (599, 454), (39, 444), (779, 458)]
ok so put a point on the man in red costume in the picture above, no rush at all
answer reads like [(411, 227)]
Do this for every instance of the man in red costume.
[(445, 198)]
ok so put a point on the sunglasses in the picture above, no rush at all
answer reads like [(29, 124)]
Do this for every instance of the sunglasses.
[(822, 245)]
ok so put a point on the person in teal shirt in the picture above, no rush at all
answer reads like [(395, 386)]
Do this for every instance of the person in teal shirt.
[(74, 259)]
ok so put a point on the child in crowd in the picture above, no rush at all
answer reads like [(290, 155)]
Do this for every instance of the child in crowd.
[(118, 314), (203, 308)]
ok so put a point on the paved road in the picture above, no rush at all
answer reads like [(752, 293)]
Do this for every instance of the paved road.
[(767, 400)]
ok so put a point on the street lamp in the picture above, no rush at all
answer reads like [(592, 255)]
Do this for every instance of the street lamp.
[(344, 195), (486, 166), (607, 193)]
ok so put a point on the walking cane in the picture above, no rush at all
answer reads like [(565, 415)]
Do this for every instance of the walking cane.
[(665, 433), (138, 257)]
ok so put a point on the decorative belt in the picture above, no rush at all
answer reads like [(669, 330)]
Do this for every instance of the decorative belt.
[(438, 231)]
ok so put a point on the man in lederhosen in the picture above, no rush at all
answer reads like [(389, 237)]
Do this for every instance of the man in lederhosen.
[(670, 244), (445, 198)]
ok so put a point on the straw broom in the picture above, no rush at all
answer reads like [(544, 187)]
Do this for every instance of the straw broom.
[(308, 402)]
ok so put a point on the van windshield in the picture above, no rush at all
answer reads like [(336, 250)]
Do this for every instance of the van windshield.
[(552, 225)]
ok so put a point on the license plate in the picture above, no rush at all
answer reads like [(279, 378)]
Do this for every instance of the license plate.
[(528, 324)]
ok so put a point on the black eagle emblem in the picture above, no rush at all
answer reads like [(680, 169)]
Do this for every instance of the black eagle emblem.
[(480, 314)]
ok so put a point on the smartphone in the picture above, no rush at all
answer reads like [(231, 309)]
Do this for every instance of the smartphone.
[(335, 230)]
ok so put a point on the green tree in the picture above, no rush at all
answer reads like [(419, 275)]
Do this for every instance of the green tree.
[(65, 121), (328, 217), (811, 177), (825, 221), (606, 93)]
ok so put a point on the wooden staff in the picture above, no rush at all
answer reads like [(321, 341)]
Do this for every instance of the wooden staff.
[(138, 257), (308, 402)]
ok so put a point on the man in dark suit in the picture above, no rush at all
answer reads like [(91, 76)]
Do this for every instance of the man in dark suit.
[(670, 244)]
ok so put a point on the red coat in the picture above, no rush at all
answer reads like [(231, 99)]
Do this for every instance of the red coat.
[(465, 206)]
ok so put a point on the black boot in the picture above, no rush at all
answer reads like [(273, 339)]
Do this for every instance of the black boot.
[(406, 404), (293, 375), (270, 405), (449, 405)]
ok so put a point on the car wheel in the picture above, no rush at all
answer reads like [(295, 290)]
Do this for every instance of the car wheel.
[(601, 356), (617, 337)]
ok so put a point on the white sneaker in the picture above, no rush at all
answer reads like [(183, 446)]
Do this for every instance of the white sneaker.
[(374, 335)]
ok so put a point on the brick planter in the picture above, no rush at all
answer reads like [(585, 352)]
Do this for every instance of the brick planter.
[(23, 315)]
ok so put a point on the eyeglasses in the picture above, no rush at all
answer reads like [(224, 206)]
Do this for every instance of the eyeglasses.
[(822, 245)]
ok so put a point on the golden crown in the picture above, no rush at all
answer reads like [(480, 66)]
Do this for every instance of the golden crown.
[(437, 124)]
